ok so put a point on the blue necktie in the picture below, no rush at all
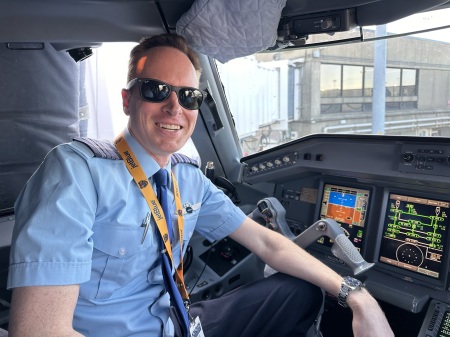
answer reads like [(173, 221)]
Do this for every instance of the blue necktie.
[(161, 179)]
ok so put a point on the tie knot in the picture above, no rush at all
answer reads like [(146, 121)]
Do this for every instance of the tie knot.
[(161, 177)]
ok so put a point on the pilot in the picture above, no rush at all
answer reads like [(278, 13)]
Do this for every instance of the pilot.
[(98, 228)]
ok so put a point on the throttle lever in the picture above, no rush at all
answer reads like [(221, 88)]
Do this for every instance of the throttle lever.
[(273, 213), (342, 247)]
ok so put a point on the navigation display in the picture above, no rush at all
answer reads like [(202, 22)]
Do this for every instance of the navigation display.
[(347, 206), (414, 234)]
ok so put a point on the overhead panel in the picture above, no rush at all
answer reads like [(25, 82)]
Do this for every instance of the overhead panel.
[(78, 20)]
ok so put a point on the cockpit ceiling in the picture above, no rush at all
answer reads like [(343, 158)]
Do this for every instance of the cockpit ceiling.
[(128, 20)]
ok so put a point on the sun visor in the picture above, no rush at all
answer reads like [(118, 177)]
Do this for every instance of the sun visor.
[(39, 95), (227, 29)]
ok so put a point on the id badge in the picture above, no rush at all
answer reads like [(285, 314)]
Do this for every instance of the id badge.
[(196, 328)]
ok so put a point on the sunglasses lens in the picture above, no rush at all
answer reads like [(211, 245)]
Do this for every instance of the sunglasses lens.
[(154, 91), (190, 98)]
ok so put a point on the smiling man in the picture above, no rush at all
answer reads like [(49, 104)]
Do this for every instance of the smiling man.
[(91, 244), (161, 129)]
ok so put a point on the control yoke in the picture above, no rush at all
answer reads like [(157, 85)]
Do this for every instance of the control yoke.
[(273, 213)]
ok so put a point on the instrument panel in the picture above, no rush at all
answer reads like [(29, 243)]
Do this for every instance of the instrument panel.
[(391, 196)]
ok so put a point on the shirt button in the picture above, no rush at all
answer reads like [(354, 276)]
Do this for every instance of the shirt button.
[(122, 251)]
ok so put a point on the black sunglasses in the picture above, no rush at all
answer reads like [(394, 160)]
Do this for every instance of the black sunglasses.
[(156, 91)]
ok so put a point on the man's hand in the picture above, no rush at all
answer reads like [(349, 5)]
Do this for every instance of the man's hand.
[(368, 318)]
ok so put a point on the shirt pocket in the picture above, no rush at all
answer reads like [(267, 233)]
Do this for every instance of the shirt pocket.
[(118, 258)]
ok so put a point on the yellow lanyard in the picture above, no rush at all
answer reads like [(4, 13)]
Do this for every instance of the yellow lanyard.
[(147, 191)]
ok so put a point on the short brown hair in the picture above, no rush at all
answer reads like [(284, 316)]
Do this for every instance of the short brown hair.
[(163, 40)]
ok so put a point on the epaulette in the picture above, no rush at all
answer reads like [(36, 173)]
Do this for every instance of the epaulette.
[(178, 158), (107, 150), (101, 148)]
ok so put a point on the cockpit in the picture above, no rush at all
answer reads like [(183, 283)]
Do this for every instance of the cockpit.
[(328, 123)]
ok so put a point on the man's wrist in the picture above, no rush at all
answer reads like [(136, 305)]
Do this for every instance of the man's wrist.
[(361, 300), (348, 285)]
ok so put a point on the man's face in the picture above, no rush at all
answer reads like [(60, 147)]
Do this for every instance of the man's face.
[(161, 128)]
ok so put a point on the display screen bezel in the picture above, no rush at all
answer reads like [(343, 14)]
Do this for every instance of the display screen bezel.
[(400, 272), (350, 185)]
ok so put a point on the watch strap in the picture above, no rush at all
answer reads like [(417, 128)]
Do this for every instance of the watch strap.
[(348, 284)]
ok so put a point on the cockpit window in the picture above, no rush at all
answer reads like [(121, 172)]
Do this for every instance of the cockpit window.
[(106, 75), (393, 86)]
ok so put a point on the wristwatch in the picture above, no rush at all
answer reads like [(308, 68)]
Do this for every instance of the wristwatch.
[(347, 285)]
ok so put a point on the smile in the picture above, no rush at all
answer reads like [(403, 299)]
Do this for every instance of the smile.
[(169, 126)]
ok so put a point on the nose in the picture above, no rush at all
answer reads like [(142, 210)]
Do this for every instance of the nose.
[(172, 105)]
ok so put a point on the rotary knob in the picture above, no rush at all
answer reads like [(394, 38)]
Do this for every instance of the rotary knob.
[(408, 157), (327, 23)]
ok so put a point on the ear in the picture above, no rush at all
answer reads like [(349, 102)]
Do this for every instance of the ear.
[(126, 96)]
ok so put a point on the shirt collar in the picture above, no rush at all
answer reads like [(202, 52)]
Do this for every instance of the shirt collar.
[(148, 164)]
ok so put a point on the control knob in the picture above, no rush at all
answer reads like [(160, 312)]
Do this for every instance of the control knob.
[(408, 157), (327, 23)]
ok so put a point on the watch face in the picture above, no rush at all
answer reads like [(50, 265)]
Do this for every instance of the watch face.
[(352, 282)]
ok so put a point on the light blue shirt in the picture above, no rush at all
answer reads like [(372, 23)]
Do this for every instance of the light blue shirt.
[(78, 221)]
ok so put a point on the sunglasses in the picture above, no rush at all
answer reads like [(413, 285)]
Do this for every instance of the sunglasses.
[(156, 91)]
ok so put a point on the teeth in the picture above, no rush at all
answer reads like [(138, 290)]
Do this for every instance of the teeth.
[(169, 126)]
